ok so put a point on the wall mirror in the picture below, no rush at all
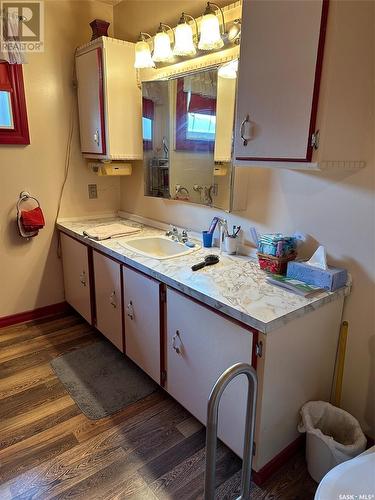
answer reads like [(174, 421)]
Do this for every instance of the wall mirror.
[(188, 136)]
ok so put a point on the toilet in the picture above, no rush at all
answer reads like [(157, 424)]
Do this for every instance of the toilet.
[(354, 479)]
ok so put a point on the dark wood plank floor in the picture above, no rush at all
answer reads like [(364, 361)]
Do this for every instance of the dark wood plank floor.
[(153, 449)]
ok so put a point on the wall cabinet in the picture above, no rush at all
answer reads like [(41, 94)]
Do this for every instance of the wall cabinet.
[(279, 76), (201, 345), (109, 100), (76, 275), (142, 321), (107, 273)]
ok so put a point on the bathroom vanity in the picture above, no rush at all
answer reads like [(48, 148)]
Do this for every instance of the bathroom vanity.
[(184, 328)]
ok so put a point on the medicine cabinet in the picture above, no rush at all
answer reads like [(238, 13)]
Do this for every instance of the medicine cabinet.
[(187, 139)]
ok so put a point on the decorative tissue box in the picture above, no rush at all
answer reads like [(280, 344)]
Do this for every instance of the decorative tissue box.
[(275, 265), (277, 245), (331, 279)]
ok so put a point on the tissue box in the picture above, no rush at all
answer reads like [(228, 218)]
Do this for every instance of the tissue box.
[(330, 279)]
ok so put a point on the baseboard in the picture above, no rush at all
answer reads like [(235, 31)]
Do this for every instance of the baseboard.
[(41, 312), (260, 476)]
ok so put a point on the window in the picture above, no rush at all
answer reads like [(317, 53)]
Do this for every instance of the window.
[(147, 129), (13, 115), (6, 115), (201, 127), (195, 120), (147, 123)]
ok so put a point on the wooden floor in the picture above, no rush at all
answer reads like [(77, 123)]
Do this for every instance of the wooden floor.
[(153, 449)]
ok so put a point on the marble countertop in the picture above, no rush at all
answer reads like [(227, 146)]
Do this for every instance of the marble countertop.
[(236, 286)]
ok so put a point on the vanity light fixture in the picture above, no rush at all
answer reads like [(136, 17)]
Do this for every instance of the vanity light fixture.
[(229, 70), (162, 44), (234, 32), (143, 53), (184, 38), (211, 37)]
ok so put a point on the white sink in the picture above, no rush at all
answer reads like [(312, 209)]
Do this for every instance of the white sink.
[(158, 247)]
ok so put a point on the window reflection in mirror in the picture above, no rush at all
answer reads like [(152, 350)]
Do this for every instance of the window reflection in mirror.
[(187, 138)]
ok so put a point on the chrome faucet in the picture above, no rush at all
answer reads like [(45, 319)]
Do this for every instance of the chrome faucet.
[(223, 227), (176, 235)]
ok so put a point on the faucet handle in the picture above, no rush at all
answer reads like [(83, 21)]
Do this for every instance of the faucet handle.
[(173, 231), (184, 236)]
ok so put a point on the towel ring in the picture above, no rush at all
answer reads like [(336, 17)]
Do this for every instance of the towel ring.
[(25, 196)]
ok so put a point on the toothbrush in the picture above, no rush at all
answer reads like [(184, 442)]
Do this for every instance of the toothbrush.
[(254, 235)]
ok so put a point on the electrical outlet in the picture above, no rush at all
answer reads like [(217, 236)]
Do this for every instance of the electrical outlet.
[(93, 191)]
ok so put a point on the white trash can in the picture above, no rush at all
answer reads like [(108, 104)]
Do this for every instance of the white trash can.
[(332, 437)]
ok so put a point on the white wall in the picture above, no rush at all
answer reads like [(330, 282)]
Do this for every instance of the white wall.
[(31, 271), (337, 209)]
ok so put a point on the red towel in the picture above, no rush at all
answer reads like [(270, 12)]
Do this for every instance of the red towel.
[(32, 220)]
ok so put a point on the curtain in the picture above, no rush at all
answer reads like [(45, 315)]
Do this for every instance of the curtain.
[(148, 108), (203, 105), (152, 91), (4, 78), (203, 83), (9, 48)]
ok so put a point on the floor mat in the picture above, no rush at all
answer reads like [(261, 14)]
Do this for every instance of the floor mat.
[(101, 379)]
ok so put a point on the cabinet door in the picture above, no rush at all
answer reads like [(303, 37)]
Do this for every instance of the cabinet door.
[(89, 68), (280, 63), (76, 275), (142, 321), (107, 274), (201, 345)]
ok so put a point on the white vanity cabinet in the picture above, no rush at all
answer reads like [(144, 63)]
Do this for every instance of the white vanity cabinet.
[(107, 274), (109, 100), (142, 321), (279, 75), (185, 345), (76, 275), (201, 345)]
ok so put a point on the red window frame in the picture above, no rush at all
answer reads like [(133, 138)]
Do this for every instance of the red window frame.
[(20, 133), (182, 142), (148, 111)]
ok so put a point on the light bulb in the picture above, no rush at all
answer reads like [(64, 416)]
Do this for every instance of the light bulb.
[(210, 38), (162, 47), (229, 70), (184, 44), (143, 55)]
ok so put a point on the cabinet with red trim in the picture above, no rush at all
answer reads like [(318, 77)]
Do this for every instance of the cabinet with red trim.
[(201, 345), (279, 77), (77, 276), (109, 100), (107, 278), (185, 345)]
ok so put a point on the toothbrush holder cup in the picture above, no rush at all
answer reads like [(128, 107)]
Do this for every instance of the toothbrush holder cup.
[(207, 239)]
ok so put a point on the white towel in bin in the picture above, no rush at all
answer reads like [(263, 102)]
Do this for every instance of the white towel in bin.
[(110, 231)]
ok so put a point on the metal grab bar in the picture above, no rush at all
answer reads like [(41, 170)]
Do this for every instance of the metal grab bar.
[(211, 433)]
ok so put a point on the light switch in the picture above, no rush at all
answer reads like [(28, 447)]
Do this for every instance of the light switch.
[(93, 191)]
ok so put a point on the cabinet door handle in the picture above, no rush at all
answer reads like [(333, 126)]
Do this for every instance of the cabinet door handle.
[(112, 299), (82, 278), (130, 310), (242, 130), (175, 337), (96, 137)]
